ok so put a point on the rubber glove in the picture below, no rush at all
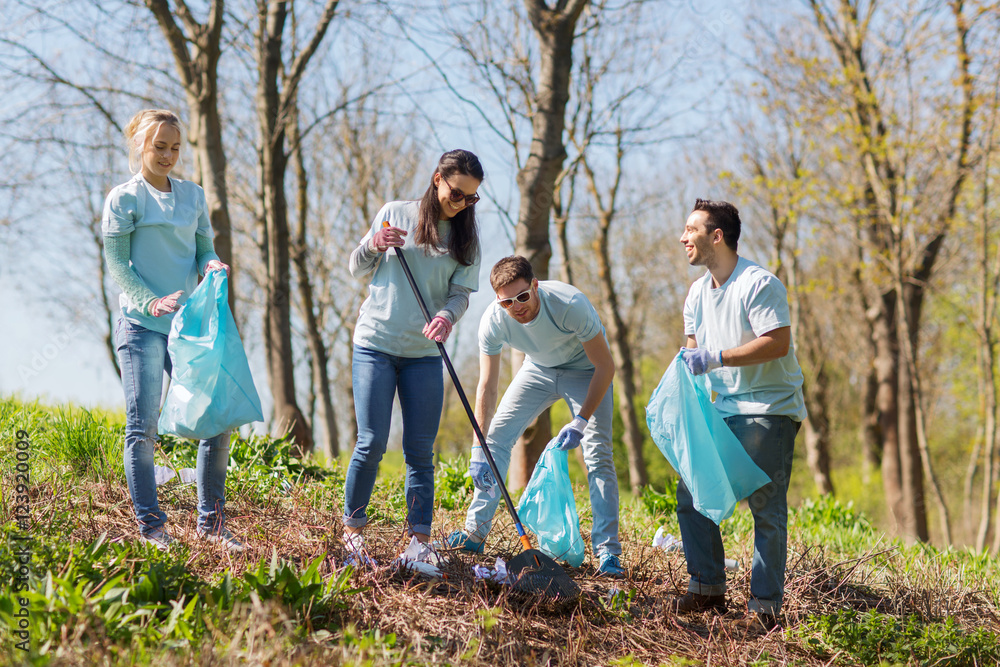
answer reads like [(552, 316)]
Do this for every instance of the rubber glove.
[(438, 329), (165, 304), (387, 237), (571, 434), (699, 360), (482, 476)]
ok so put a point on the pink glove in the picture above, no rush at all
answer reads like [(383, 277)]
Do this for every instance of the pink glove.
[(388, 237), (216, 265), (438, 329), (165, 304)]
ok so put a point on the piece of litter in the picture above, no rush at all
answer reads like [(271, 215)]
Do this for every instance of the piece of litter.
[(498, 573), (732, 564), (162, 474), (419, 557), (187, 475), (666, 541)]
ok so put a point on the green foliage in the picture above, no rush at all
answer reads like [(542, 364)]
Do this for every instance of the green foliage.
[(259, 466), (303, 592), (627, 660), (871, 638), (133, 596), (661, 504), (835, 525), (488, 618), (453, 488), (135, 603), (87, 442), (619, 603)]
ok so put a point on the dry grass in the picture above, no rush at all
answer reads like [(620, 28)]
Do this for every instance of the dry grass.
[(458, 619)]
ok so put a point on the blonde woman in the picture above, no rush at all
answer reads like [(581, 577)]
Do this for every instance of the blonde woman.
[(157, 239)]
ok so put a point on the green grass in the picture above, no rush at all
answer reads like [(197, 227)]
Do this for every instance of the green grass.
[(96, 596)]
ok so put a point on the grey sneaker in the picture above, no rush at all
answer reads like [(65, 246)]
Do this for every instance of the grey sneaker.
[(158, 537), (611, 567), (461, 541), (223, 537)]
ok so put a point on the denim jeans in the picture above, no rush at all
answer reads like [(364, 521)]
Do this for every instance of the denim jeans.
[(532, 390), (770, 441), (419, 381), (142, 356)]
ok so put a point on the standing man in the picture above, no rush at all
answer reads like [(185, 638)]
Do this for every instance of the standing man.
[(738, 330), (566, 356)]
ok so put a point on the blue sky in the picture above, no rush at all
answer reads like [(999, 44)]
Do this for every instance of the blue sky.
[(58, 358)]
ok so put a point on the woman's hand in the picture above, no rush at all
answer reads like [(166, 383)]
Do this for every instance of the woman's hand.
[(216, 265), (166, 304), (438, 329), (388, 237)]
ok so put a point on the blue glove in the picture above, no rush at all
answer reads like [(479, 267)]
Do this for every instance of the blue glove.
[(571, 434), (482, 476), (699, 360)]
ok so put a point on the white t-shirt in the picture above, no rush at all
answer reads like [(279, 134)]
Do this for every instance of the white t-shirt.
[(751, 303), (163, 226), (566, 319), (390, 320)]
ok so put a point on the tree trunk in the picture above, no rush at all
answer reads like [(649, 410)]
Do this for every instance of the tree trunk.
[(621, 350), (199, 75), (288, 418), (906, 452), (989, 295), (817, 431), (317, 346), (276, 89), (614, 323), (536, 180), (883, 323)]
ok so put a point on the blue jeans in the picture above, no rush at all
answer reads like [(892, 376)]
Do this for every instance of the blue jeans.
[(376, 378), (532, 390), (770, 441), (142, 356)]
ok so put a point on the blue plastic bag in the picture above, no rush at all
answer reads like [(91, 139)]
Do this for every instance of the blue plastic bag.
[(699, 445), (548, 508), (211, 389)]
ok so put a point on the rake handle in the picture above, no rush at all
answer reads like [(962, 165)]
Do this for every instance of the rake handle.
[(465, 401)]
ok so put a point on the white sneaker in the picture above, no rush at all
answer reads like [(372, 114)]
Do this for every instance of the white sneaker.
[(225, 538), (158, 537), (357, 555)]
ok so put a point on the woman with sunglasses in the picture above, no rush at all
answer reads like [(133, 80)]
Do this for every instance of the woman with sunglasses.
[(394, 350)]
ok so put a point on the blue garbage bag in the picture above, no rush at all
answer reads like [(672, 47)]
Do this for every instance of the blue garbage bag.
[(211, 389), (699, 445), (548, 508)]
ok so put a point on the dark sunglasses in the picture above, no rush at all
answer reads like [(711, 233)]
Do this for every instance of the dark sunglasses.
[(520, 298), (457, 195)]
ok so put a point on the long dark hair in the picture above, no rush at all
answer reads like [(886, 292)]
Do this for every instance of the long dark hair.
[(463, 242)]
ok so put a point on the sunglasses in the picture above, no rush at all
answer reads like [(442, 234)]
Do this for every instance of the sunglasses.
[(520, 298), (457, 195)]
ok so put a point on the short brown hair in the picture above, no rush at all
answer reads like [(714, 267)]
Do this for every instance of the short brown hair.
[(721, 215), (509, 269)]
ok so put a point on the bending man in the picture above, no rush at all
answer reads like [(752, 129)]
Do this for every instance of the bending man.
[(566, 356)]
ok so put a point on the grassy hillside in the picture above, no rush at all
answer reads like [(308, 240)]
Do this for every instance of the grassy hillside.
[(80, 590)]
